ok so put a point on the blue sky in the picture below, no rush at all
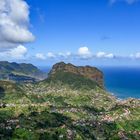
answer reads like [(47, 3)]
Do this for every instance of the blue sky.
[(95, 32)]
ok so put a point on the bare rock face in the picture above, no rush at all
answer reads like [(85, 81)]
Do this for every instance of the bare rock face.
[(87, 71)]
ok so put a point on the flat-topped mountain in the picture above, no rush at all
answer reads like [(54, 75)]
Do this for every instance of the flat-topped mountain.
[(20, 72), (88, 72)]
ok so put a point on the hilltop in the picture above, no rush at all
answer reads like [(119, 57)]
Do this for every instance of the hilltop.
[(88, 72), (66, 106)]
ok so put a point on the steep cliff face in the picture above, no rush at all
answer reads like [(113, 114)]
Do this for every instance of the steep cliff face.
[(89, 72)]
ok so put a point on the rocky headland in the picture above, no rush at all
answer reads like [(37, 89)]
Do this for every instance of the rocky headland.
[(89, 72)]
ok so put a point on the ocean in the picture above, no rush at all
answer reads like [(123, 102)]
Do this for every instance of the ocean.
[(123, 82)]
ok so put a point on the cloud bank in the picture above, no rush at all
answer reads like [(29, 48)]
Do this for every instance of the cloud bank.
[(16, 53), (14, 24), (83, 53)]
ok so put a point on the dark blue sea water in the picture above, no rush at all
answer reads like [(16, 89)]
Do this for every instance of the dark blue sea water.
[(123, 82)]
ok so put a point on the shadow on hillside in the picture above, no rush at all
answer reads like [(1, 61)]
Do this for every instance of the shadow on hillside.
[(55, 123), (93, 110), (2, 92)]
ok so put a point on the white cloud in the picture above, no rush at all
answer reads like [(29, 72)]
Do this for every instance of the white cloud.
[(40, 56), (100, 54), (60, 54), (16, 53), (110, 55), (64, 55), (84, 52), (135, 56), (51, 55), (104, 55), (14, 23), (127, 1)]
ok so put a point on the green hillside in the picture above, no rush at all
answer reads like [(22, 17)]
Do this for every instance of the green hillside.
[(66, 107), (20, 70), (72, 80)]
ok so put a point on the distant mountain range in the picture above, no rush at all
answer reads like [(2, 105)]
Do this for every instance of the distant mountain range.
[(20, 72)]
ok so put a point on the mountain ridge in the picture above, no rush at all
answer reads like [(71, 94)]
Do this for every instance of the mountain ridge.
[(20, 72)]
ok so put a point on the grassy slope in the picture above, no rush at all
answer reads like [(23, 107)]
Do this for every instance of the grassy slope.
[(60, 108)]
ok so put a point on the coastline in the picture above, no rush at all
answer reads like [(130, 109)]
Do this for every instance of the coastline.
[(112, 80)]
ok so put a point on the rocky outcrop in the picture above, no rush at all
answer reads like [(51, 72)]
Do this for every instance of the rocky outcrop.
[(87, 71)]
